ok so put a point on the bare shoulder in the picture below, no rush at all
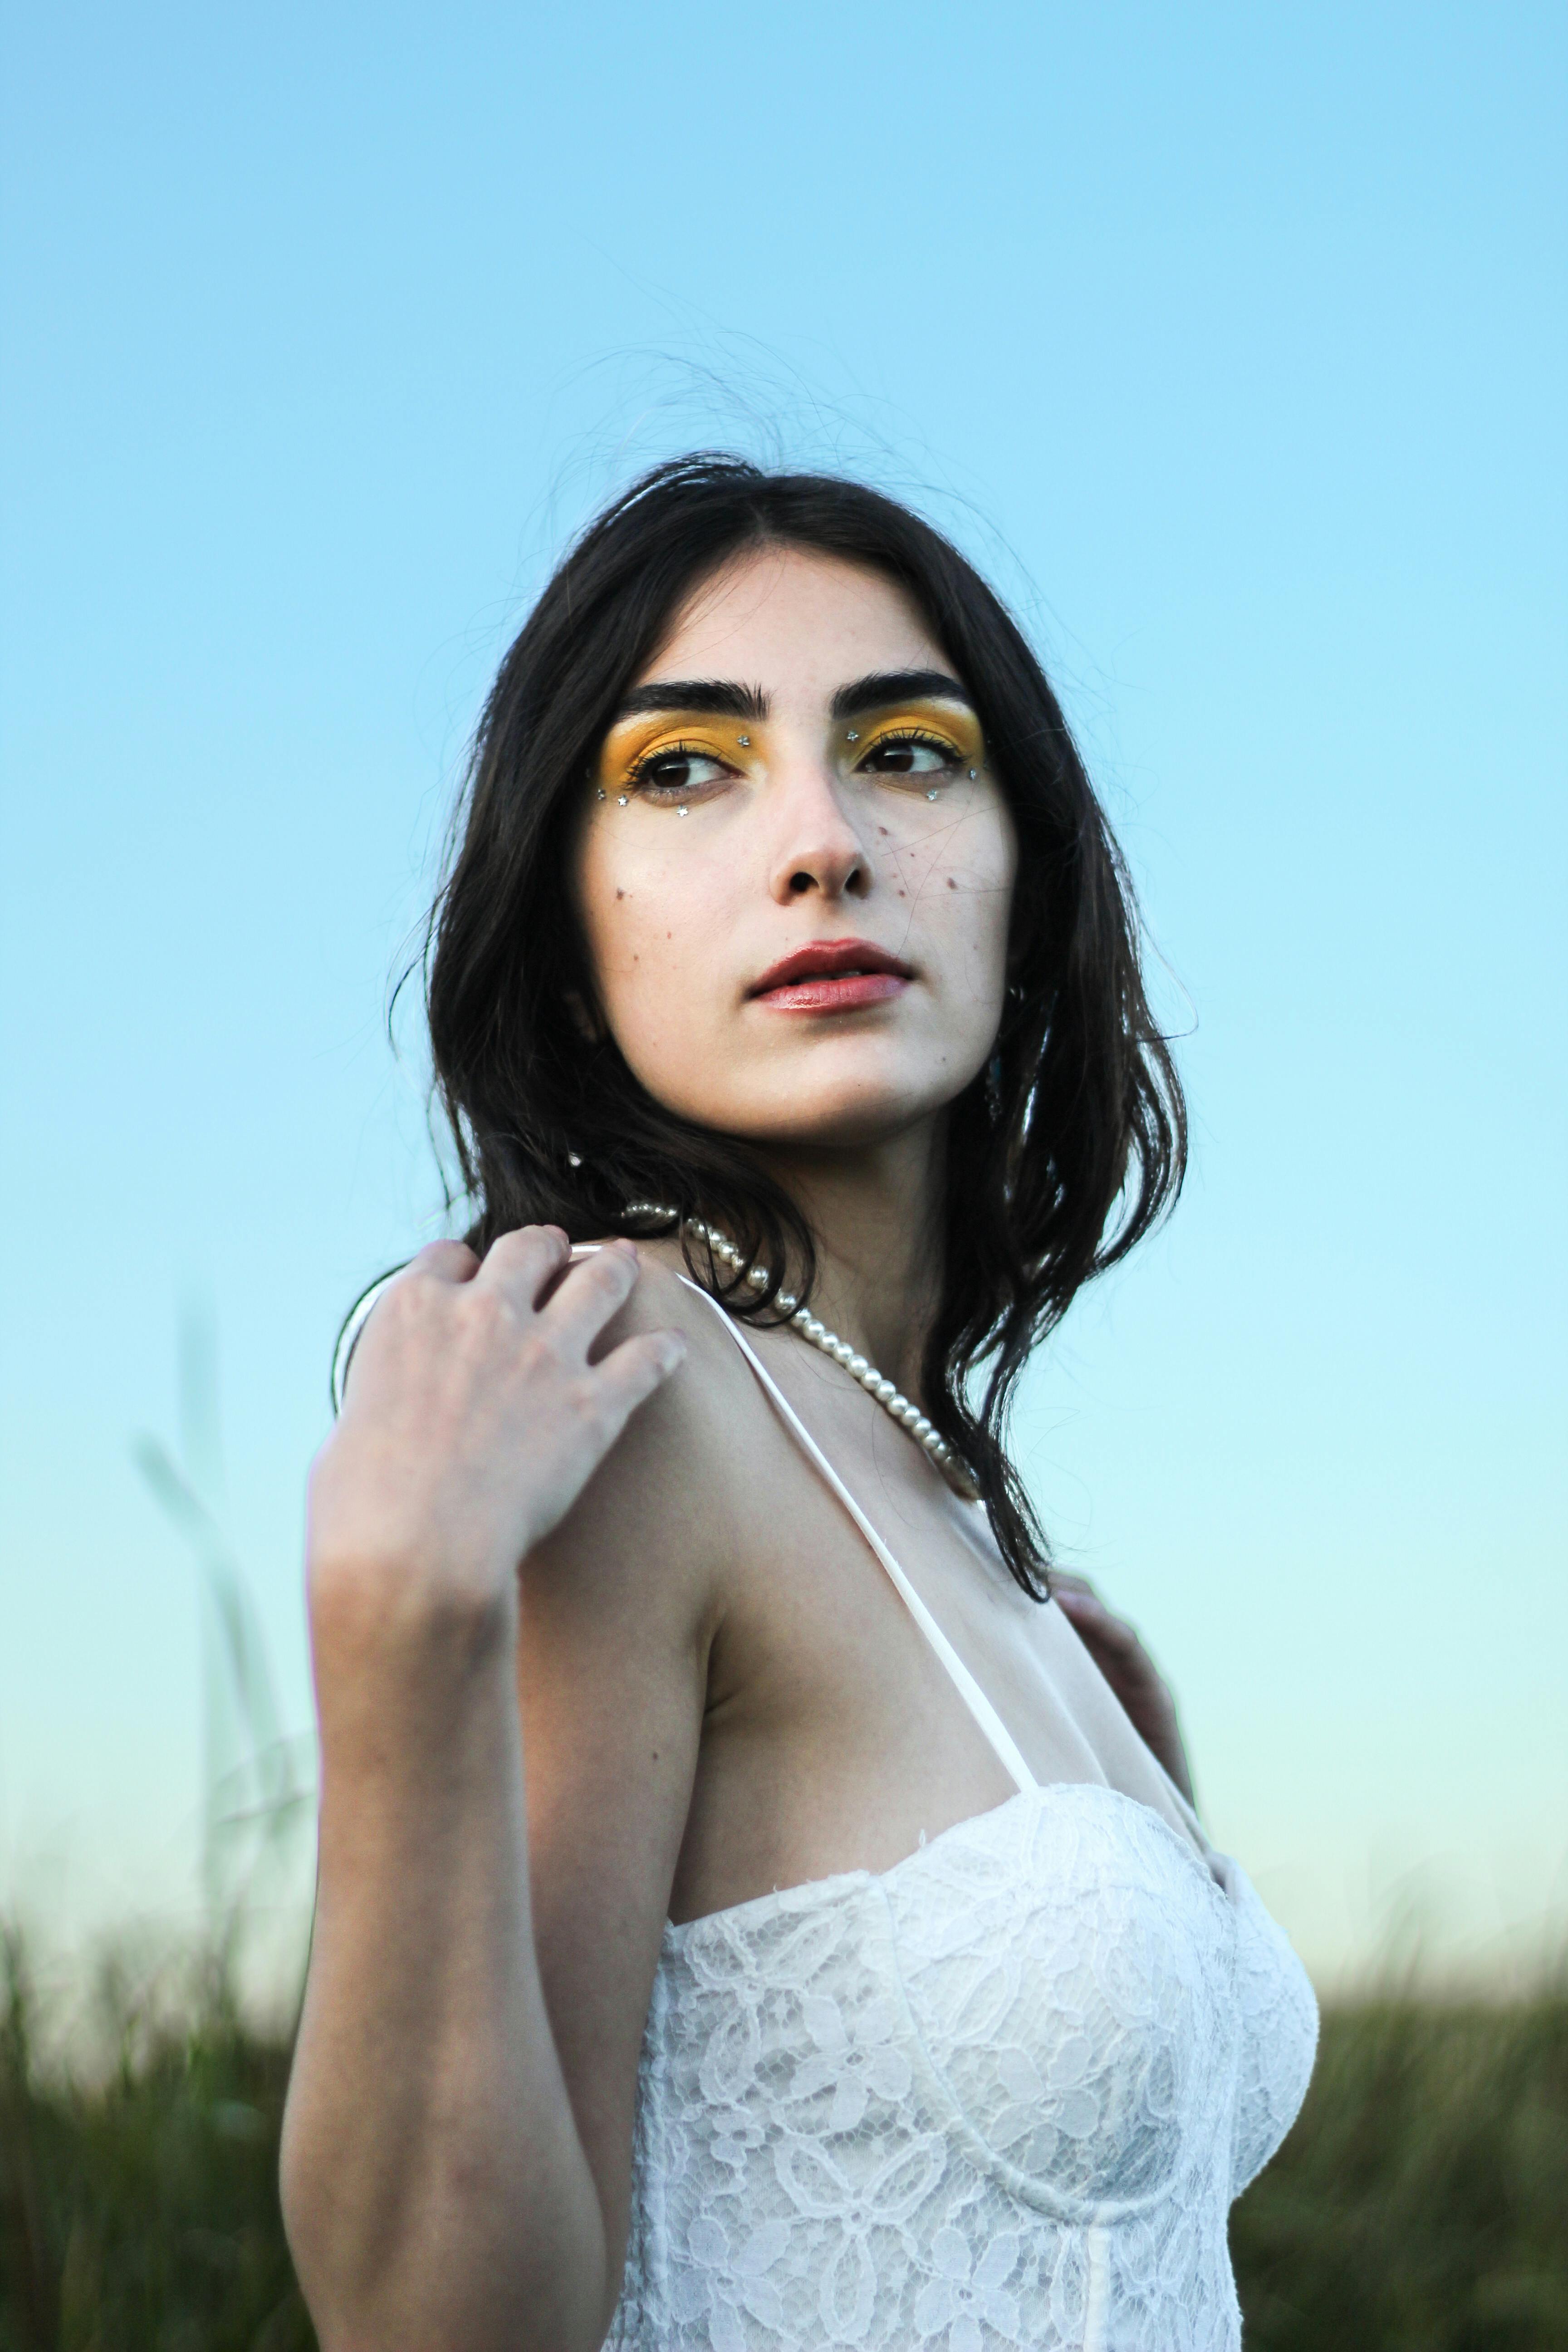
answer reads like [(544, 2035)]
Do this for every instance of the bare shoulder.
[(655, 1523)]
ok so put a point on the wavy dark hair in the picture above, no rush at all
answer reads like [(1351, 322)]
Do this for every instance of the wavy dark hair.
[(1060, 1156)]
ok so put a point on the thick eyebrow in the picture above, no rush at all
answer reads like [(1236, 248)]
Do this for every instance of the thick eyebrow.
[(720, 697), (897, 686), (724, 697)]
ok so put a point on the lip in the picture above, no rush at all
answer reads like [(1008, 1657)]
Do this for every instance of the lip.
[(832, 976)]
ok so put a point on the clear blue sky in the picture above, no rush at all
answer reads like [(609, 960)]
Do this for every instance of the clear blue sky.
[(1232, 340)]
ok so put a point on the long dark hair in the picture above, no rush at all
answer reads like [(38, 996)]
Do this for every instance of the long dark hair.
[(1060, 1157)]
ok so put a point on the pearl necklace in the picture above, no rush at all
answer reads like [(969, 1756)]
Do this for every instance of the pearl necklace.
[(875, 1383)]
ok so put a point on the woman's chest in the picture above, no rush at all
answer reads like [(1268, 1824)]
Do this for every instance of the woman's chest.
[(1051, 1989)]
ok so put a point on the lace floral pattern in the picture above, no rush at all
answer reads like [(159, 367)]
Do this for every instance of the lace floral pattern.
[(1000, 2095)]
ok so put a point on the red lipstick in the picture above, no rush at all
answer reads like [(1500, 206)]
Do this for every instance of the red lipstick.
[(832, 976)]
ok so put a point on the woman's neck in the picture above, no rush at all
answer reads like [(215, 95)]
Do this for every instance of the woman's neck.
[(875, 1214)]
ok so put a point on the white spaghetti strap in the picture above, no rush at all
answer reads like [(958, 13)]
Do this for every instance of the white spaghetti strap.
[(963, 1682), (349, 1337)]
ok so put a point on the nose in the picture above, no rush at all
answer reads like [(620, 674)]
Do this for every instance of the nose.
[(817, 848)]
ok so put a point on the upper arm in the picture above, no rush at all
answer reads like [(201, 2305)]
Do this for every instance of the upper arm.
[(618, 1610)]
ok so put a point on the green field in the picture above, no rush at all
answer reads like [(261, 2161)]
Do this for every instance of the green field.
[(1420, 2205)]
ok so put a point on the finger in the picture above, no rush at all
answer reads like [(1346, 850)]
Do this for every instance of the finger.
[(1098, 1625), (524, 1261), (1113, 1634), (445, 1262), (1079, 1598), (630, 1373), (1080, 1595), (1064, 1581), (590, 1292)]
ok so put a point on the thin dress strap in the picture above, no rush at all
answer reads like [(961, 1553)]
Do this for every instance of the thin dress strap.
[(963, 1682)]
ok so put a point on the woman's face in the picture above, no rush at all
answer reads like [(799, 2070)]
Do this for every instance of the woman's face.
[(797, 868)]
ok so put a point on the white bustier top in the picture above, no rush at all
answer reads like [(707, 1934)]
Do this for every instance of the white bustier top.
[(999, 2095)]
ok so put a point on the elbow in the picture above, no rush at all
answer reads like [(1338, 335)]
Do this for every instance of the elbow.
[(423, 2280)]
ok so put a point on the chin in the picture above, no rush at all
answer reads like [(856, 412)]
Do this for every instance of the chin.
[(851, 1113)]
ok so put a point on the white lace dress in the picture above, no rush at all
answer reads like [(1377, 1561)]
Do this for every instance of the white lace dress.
[(1000, 2094)]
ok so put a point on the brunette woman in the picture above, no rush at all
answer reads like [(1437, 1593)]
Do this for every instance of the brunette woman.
[(761, 1902)]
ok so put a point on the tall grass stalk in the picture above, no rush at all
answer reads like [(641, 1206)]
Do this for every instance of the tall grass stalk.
[(259, 1791)]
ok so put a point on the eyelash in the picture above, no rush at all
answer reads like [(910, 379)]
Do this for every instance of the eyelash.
[(915, 735), (637, 777)]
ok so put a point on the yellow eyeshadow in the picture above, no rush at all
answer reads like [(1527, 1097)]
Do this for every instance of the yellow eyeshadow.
[(628, 747), (950, 722)]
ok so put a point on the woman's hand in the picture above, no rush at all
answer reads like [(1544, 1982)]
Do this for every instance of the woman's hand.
[(1131, 1673), (475, 1416)]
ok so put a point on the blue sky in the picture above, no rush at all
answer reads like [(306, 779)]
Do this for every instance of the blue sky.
[(1231, 340)]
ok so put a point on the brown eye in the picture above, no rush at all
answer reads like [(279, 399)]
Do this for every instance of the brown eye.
[(909, 755), (672, 775)]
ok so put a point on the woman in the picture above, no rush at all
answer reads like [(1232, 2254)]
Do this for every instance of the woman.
[(751, 1913)]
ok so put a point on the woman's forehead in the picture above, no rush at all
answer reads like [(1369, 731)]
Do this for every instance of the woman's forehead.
[(782, 617)]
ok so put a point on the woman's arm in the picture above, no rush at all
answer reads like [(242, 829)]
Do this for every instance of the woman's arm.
[(439, 2188)]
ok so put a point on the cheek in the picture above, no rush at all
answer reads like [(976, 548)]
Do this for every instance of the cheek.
[(965, 883), (653, 922)]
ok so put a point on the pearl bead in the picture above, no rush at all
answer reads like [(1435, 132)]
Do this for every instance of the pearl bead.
[(875, 1383)]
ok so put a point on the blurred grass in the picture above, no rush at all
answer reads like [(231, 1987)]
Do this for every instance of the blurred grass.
[(138, 2201), (1420, 2204)]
